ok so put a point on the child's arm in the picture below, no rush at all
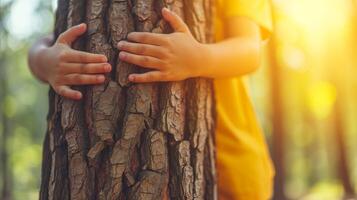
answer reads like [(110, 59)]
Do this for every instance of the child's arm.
[(178, 55), (61, 66)]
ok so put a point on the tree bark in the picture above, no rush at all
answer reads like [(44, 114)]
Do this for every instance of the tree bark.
[(124, 140), (278, 136), (278, 132)]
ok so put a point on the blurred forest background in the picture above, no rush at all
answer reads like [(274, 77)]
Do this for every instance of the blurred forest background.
[(305, 96)]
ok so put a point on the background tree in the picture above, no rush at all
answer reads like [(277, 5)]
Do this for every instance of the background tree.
[(130, 141), (278, 134), (5, 174), (342, 163)]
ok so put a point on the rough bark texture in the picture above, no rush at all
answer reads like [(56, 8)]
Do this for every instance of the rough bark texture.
[(131, 141)]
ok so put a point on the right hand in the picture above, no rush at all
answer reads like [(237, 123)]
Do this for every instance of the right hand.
[(64, 66)]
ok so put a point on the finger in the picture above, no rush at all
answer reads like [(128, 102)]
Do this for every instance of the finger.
[(148, 38), (141, 49), (152, 76), (175, 21), (83, 79), (67, 92), (82, 68), (143, 61), (69, 36), (85, 57)]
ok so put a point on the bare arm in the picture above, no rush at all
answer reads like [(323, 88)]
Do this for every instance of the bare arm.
[(35, 54), (239, 54), (178, 55)]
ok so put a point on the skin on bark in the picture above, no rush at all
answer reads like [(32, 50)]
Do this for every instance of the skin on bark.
[(124, 140)]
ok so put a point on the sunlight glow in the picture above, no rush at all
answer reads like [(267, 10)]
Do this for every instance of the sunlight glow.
[(321, 98), (22, 22)]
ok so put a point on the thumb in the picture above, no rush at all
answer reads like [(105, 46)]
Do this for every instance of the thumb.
[(70, 35), (175, 21)]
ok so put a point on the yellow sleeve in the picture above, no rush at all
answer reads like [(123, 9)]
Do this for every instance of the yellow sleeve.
[(257, 10)]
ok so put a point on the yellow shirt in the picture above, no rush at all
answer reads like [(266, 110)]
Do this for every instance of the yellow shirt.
[(245, 171)]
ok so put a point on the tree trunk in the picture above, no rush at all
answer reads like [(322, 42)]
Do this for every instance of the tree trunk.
[(343, 172), (124, 140), (277, 109), (5, 173), (278, 135)]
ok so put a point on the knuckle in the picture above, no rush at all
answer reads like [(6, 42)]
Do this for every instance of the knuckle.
[(62, 56), (166, 40), (167, 53), (145, 59), (82, 58), (142, 50), (170, 43), (57, 80), (82, 68), (79, 78), (60, 69), (164, 64)]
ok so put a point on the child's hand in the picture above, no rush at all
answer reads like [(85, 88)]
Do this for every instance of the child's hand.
[(64, 66), (173, 57)]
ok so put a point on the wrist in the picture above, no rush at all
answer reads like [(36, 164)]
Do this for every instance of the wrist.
[(206, 62), (41, 65)]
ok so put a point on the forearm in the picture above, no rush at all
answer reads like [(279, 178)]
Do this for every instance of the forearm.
[(35, 56), (231, 57)]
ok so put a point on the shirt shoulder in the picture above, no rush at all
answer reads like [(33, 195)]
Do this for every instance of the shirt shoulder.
[(257, 10)]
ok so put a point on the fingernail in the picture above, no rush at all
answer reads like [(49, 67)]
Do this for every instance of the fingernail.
[(120, 44), (122, 55), (78, 95), (131, 78), (107, 68)]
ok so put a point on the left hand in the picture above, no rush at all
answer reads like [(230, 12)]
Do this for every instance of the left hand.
[(172, 57)]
